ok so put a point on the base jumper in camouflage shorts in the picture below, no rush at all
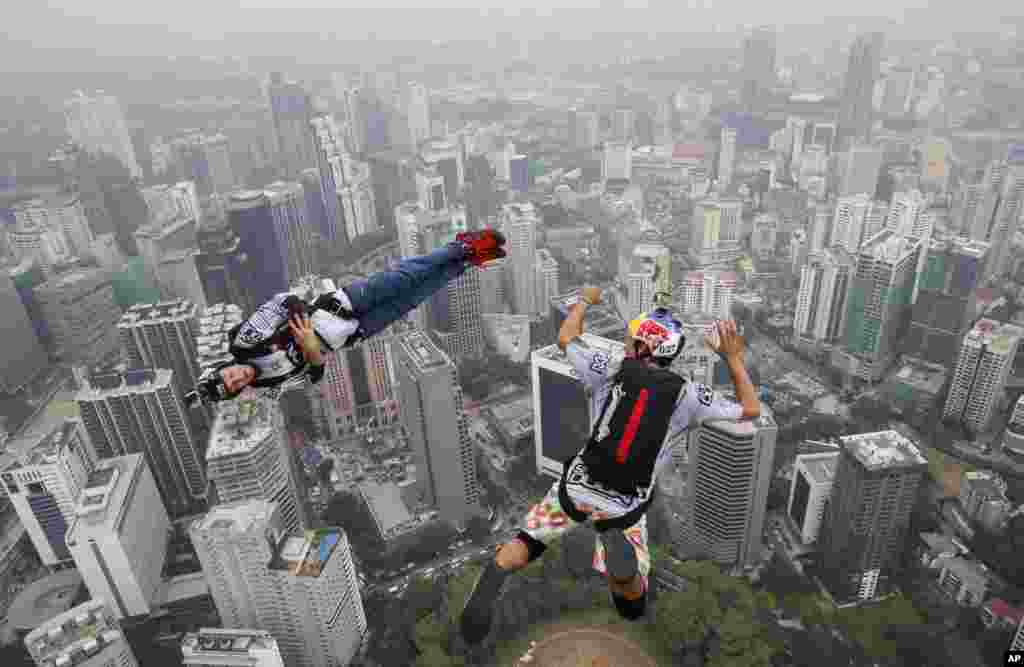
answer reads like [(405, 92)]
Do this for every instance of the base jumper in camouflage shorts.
[(640, 405)]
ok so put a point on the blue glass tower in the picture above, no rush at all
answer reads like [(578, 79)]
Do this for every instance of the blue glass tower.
[(251, 219)]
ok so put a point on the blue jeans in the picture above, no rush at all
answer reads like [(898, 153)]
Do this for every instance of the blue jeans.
[(389, 295)]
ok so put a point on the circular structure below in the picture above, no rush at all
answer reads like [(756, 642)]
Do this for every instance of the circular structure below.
[(587, 647), (43, 599)]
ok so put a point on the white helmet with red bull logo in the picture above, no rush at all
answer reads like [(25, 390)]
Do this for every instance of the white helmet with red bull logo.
[(660, 331)]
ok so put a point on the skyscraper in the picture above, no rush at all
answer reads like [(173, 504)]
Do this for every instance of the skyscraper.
[(879, 303), (979, 377), (23, 357), (715, 232), (294, 236), (88, 635), (758, 67), (726, 156), (216, 647), (617, 161), (327, 143), (821, 297), (709, 292), (430, 405), (251, 218), (174, 216), (357, 205), (248, 458), (224, 267), (139, 411), (856, 111), (97, 124), (492, 286), (547, 281), (162, 335), (813, 476), (417, 111), (218, 158), (80, 314), (119, 536), (290, 112), (622, 124), (899, 89), (864, 528), (44, 485), (519, 223), (727, 488), (214, 324), (1007, 218), (300, 588), (858, 171), (946, 301), (857, 218)]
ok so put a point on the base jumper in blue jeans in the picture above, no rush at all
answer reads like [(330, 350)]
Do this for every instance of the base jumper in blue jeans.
[(280, 346)]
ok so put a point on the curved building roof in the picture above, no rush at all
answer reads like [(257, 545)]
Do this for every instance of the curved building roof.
[(44, 599)]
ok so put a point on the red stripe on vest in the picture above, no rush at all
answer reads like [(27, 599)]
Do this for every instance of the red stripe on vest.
[(622, 452)]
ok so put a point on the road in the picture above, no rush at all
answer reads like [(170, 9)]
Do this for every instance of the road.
[(476, 551)]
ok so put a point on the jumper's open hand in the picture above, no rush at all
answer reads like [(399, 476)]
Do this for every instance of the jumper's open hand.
[(727, 342), (305, 337)]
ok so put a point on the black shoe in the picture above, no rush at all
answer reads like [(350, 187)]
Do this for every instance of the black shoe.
[(478, 615), (631, 610)]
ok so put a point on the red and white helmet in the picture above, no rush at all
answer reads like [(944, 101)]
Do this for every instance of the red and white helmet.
[(661, 332)]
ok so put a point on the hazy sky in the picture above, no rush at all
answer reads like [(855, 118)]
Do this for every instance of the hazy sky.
[(144, 26)]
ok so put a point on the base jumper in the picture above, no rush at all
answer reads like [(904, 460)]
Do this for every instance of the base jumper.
[(641, 406), (282, 344)]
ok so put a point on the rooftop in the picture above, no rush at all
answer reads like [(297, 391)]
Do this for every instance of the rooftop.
[(218, 641), (883, 449), (1000, 338), (821, 468), (921, 375), (45, 598), (888, 246), (942, 543), (48, 443), (422, 351), (240, 426), (306, 555), (148, 313), (387, 507), (119, 384), (238, 517), (103, 501), (78, 633)]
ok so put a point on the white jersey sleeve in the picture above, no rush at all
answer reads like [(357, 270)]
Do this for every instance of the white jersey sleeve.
[(699, 402), (595, 367)]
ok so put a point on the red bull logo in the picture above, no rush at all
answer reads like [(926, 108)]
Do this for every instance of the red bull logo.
[(651, 333)]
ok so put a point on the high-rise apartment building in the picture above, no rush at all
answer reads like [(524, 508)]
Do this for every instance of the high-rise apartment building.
[(97, 124), (813, 476), (519, 223), (547, 281), (907, 215), (866, 518), (213, 326), (727, 487), (979, 377), (417, 111), (715, 232), (856, 219), (856, 109), (758, 67), (357, 204), (879, 303), (23, 357), (119, 536), (327, 144), (858, 169), (291, 109), (88, 635), (430, 404), (640, 284), (162, 335), (302, 589), (140, 411), (726, 156), (218, 647), (248, 458), (821, 297), (174, 216), (492, 286), (1007, 219), (62, 213), (80, 314), (43, 487), (709, 292), (946, 298)]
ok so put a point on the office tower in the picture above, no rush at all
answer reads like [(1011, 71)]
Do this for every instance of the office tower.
[(162, 335), (316, 213), (982, 368), (357, 205), (174, 217), (519, 223), (213, 326), (617, 161), (946, 301), (547, 281), (858, 171), (299, 588), (248, 458), (640, 284), (23, 357), (864, 528), (118, 538), (1007, 219), (264, 244), (821, 297), (354, 120), (430, 404), (294, 236), (879, 302), (563, 409), (180, 277), (857, 218), (44, 484), (813, 476), (492, 286), (224, 267), (726, 156), (88, 635), (715, 232), (709, 293), (758, 67), (417, 111), (80, 314), (446, 157), (898, 90), (218, 159), (97, 124), (519, 173), (140, 411), (856, 111), (727, 487), (328, 149), (290, 112), (216, 647)]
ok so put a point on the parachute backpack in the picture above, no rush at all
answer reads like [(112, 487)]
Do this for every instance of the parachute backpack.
[(627, 438)]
